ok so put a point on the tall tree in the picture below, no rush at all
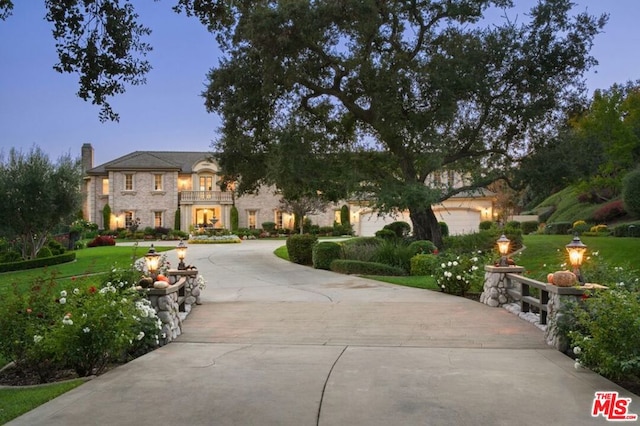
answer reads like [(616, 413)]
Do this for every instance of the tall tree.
[(38, 196), (426, 83)]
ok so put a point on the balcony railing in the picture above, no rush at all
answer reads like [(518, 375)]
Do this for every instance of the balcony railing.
[(206, 197)]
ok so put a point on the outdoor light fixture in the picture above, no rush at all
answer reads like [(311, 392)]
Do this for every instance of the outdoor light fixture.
[(503, 248), (152, 258), (182, 252), (576, 249)]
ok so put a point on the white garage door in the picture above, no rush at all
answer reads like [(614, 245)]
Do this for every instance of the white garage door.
[(460, 221), (370, 223)]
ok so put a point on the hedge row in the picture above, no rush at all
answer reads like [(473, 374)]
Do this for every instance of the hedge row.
[(38, 263), (365, 268)]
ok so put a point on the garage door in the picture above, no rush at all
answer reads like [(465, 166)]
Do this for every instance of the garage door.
[(370, 223), (461, 221)]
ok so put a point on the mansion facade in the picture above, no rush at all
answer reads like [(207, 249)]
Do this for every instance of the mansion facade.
[(149, 188)]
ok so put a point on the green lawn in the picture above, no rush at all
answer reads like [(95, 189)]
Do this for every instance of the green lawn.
[(88, 261), (15, 402)]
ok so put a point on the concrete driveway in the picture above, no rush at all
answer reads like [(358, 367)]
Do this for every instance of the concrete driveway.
[(276, 343)]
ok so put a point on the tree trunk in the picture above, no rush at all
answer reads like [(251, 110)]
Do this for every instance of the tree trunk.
[(426, 226)]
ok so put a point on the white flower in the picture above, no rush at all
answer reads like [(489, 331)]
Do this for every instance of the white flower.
[(458, 277), (442, 265), (475, 259), (86, 330), (63, 293), (67, 321), (455, 263), (474, 268), (140, 335), (577, 350), (577, 365), (63, 300), (37, 338), (76, 291), (449, 263)]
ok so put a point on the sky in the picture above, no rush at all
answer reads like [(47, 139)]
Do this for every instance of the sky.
[(38, 106)]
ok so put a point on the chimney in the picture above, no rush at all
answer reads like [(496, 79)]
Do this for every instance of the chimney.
[(87, 158)]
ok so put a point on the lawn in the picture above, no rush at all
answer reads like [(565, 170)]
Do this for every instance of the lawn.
[(94, 260)]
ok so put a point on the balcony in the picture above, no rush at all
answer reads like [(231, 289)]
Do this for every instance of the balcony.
[(205, 197)]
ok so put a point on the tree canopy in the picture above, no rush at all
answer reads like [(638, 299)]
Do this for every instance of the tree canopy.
[(418, 86), (425, 83), (38, 196)]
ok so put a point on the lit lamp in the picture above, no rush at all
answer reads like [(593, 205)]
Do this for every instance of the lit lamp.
[(503, 248), (182, 253), (152, 258), (576, 249)]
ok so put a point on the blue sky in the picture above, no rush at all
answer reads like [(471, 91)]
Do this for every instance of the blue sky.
[(38, 106)]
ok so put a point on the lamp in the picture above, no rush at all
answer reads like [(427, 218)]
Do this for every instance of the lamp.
[(182, 252), (152, 259), (576, 249), (503, 248)]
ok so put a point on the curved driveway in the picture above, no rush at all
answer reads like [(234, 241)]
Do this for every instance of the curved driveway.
[(275, 343)]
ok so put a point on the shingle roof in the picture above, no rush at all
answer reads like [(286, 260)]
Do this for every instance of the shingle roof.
[(181, 161)]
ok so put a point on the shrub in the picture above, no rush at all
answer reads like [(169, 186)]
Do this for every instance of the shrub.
[(361, 248), (458, 274), (160, 231), (424, 264), (627, 230), (400, 228), (580, 226), (529, 227), (558, 228), (234, 218), (324, 253), (486, 224), (269, 227), (631, 192), (300, 248), (345, 217), (422, 247), (106, 216), (394, 253), (55, 247), (340, 229), (444, 229), (386, 234), (44, 252), (599, 229), (609, 211), (38, 263), (607, 333), (365, 268), (484, 241), (514, 224), (176, 220), (325, 230), (102, 240)]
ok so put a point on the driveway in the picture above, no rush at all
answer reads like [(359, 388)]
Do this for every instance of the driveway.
[(275, 343)]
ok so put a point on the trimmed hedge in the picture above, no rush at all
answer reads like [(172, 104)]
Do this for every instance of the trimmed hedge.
[(422, 247), (300, 248), (424, 264), (324, 253), (558, 228), (38, 263), (529, 227), (365, 268)]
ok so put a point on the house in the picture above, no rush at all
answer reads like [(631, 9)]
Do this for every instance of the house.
[(153, 188)]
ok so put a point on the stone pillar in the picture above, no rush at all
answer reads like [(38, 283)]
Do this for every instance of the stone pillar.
[(496, 285)]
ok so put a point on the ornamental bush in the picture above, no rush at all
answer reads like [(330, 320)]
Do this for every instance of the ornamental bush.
[(424, 264), (529, 227), (300, 248), (361, 248), (400, 228), (422, 247), (395, 253), (631, 192), (609, 211), (324, 253), (102, 240), (344, 266), (459, 274)]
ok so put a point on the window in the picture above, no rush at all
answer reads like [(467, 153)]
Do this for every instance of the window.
[(337, 216), (157, 219), (128, 182), (278, 219), (451, 178), (105, 186), (206, 183), (252, 219), (157, 182), (128, 219)]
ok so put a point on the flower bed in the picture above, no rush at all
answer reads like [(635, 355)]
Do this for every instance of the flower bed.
[(214, 239)]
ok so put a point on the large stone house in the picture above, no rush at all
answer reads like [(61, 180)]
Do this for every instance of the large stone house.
[(150, 187)]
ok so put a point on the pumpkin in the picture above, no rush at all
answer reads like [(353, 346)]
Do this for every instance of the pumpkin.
[(550, 278), (564, 278), (145, 282), (161, 277), (160, 284)]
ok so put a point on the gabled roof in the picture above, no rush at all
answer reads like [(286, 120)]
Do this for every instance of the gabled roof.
[(180, 161)]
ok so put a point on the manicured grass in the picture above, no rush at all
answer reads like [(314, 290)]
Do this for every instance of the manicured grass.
[(426, 282), (88, 261), (545, 253), (282, 252), (15, 402)]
